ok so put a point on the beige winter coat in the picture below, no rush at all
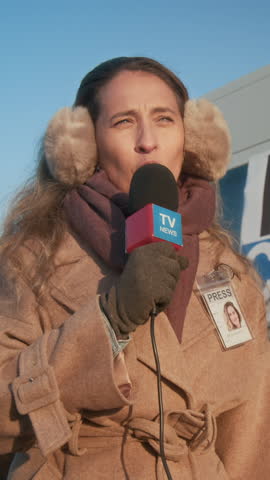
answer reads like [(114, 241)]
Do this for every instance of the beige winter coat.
[(58, 378)]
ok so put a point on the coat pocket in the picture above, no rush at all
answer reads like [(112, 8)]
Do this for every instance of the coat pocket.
[(32, 465), (210, 466)]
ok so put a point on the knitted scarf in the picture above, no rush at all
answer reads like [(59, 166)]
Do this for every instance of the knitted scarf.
[(96, 212)]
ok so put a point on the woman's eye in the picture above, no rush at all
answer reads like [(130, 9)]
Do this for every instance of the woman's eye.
[(122, 122), (165, 119)]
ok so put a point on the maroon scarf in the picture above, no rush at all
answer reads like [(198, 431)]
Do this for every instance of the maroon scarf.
[(96, 211)]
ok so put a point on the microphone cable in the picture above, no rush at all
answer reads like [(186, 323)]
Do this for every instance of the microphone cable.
[(160, 401)]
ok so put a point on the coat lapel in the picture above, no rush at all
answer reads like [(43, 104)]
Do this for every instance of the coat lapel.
[(172, 361), (80, 275)]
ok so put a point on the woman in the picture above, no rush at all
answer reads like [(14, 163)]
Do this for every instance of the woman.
[(78, 377), (232, 315)]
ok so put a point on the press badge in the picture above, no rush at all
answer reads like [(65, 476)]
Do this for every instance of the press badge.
[(221, 302)]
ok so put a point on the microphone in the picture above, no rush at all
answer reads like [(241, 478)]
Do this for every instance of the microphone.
[(153, 203)]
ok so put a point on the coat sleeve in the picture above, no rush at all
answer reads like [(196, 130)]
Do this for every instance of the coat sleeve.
[(47, 373), (243, 441)]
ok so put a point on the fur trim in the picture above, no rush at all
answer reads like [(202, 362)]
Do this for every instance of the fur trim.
[(207, 140), (70, 146), (71, 152)]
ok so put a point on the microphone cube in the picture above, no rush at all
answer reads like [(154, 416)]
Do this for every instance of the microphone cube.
[(153, 223)]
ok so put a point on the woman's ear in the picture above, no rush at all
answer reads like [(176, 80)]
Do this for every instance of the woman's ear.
[(70, 146), (207, 140)]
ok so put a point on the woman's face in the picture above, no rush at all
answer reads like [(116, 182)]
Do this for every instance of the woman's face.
[(233, 316), (139, 122)]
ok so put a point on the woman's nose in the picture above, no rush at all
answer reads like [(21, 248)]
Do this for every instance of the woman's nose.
[(146, 140)]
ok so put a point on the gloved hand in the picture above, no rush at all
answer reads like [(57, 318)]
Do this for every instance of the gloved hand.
[(147, 282)]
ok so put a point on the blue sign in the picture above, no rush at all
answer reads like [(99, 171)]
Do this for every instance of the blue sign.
[(167, 225), (259, 254)]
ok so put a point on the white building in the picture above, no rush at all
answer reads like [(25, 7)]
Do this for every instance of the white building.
[(245, 189)]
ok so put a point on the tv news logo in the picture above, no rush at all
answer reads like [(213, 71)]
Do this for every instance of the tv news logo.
[(167, 225)]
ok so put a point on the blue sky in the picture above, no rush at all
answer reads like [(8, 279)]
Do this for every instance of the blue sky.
[(47, 47)]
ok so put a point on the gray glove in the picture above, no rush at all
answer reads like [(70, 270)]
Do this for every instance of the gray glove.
[(146, 283)]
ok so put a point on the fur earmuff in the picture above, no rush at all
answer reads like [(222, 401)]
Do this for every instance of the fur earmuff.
[(71, 152), (207, 140), (70, 146)]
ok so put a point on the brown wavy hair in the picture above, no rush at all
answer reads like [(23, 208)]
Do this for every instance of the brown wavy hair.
[(36, 212)]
